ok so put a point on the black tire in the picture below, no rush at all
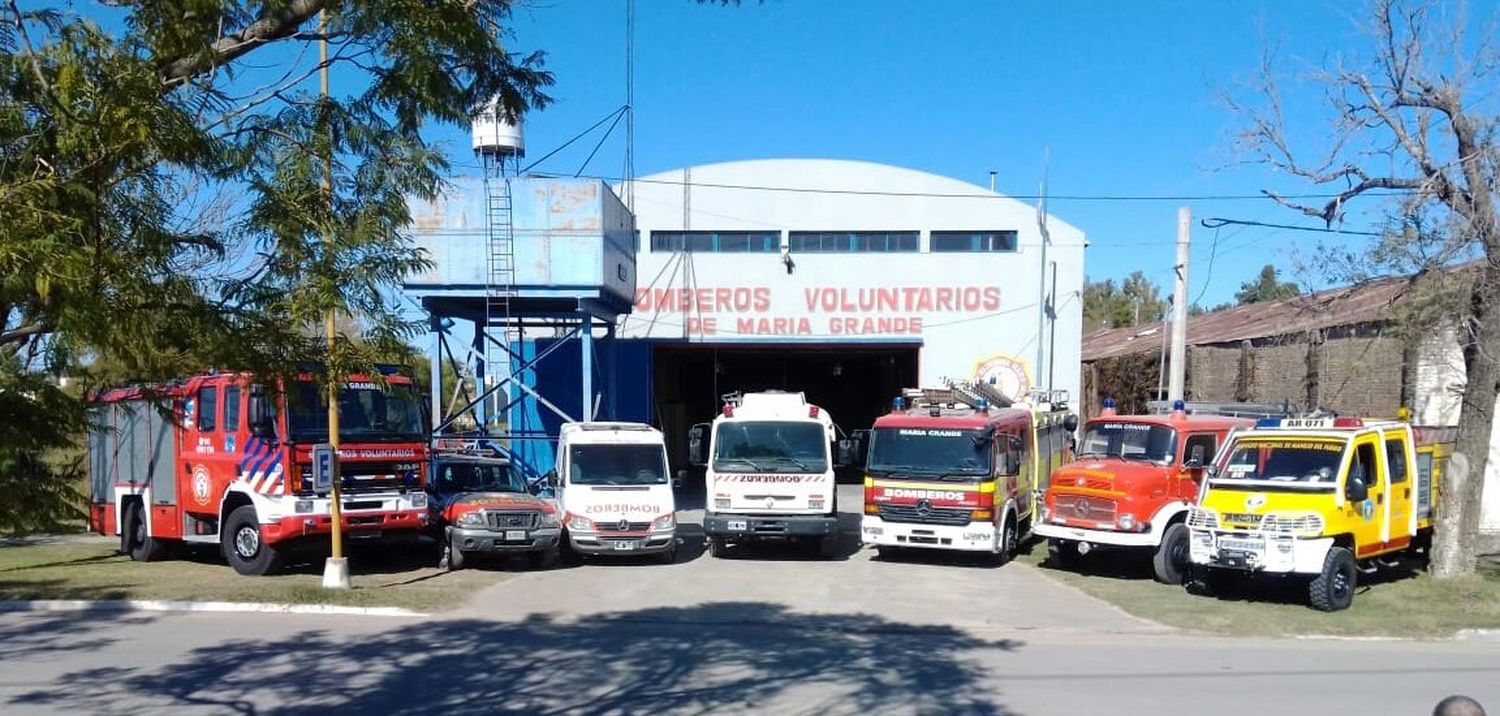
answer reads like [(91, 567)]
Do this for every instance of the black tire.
[(545, 559), (454, 558), (243, 547), (884, 553), (668, 555), (1333, 589), (1009, 541), (1170, 562), (144, 547), (717, 547), (1063, 553)]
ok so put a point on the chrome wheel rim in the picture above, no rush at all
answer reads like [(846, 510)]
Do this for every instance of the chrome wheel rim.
[(247, 541)]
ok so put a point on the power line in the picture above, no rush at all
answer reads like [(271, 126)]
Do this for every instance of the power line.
[(955, 195), (1218, 222)]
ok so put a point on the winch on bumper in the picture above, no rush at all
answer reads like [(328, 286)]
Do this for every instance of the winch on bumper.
[(975, 536), (1275, 553), (770, 526)]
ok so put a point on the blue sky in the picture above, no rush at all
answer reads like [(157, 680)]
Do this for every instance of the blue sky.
[(1123, 96)]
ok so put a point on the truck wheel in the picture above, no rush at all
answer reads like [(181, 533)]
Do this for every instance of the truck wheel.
[(668, 555), (243, 547), (1170, 562), (1063, 553), (453, 557), (1008, 540), (1333, 589), (545, 559), (135, 540), (717, 547)]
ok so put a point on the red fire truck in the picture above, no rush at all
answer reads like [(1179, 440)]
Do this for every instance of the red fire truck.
[(221, 459), (1132, 486), (948, 471)]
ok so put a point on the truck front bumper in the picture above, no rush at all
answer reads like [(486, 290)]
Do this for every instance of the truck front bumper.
[(486, 540), (973, 537), (1097, 536), (769, 526), (1258, 552), (596, 543)]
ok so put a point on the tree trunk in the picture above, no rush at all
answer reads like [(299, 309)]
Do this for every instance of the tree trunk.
[(1455, 548)]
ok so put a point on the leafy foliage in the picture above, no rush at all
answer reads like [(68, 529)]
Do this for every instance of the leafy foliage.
[(1267, 286), (162, 184), (1135, 301)]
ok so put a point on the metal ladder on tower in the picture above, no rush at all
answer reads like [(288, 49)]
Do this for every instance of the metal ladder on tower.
[(500, 288)]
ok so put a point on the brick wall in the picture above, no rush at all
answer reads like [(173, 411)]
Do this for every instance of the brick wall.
[(1359, 374)]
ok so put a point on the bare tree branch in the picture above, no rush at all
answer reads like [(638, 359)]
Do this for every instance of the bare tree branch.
[(282, 24)]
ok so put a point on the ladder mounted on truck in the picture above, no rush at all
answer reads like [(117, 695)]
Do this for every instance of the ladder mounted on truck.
[(971, 393), (1230, 409)]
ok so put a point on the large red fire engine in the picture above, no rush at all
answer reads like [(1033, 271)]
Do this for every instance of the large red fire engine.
[(220, 459)]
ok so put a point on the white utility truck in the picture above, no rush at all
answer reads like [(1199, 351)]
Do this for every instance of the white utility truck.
[(770, 459), (616, 496)]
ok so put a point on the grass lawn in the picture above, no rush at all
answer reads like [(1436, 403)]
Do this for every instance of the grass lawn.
[(1395, 604), (86, 568)]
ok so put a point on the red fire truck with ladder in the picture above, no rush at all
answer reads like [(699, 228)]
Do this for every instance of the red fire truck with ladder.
[(961, 468), (223, 460)]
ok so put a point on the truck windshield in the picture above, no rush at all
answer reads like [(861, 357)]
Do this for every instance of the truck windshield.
[(928, 451), (770, 446), (1129, 441), (366, 414), (1295, 462), (477, 477), (604, 464)]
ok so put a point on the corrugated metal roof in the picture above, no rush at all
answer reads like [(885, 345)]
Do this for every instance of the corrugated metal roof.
[(1350, 305)]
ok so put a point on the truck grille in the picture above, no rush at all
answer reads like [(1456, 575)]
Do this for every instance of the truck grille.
[(1083, 507), (629, 526), (511, 520), (921, 516)]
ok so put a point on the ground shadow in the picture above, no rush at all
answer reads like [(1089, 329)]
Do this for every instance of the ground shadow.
[(29, 635), (1107, 562), (723, 657)]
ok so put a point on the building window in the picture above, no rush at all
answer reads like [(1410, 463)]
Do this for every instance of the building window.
[(973, 241), (717, 241), (853, 241)]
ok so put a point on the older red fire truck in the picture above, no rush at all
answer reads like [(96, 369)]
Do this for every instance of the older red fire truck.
[(221, 459), (949, 471)]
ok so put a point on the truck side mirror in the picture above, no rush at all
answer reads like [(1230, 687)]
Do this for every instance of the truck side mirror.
[(551, 480), (1070, 423), (1355, 490), (1195, 457), (845, 454), (679, 479), (258, 417), (698, 445)]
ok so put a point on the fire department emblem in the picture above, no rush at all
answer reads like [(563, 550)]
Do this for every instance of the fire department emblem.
[(202, 486), (1007, 373)]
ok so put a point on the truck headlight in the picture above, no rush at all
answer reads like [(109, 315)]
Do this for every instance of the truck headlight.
[(721, 503), (471, 519), (665, 522), (550, 519), (579, 523), (1127, 522), (419, 500), (815, 504)]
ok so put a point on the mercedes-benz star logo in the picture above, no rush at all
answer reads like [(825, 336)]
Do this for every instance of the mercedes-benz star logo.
[(624, 525), (924, 507)]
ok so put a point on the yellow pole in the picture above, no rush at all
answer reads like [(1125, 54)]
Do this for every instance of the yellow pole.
[(334, 507)]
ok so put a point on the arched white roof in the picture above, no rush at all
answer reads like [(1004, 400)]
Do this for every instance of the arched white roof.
[(783, 192)]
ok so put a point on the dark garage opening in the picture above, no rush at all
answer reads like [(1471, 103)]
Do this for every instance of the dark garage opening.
[(854, 383)]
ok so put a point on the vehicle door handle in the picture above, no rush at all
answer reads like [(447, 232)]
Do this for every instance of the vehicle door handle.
[(1406, 493), (1380, 499)]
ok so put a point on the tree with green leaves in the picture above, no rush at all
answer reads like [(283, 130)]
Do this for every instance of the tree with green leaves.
[(1135, 301), (1267, 286), (162, 184), (1413, 131)]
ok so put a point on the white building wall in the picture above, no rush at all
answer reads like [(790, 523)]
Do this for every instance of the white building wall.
[(1439, 401), (973, 313)]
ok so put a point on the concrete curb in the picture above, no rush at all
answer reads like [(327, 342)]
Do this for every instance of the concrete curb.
[(153, 605), (1477, 635)]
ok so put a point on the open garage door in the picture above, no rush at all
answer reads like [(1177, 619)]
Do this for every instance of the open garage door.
[(855, 383)]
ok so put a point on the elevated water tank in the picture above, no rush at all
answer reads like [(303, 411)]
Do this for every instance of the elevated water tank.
[(497, 132)]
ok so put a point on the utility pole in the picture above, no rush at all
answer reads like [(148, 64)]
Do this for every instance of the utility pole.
[(1179, 307), (1041, 274), (336, 570)]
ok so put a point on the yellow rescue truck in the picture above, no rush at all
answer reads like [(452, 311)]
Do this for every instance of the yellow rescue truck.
[(1323, 499)]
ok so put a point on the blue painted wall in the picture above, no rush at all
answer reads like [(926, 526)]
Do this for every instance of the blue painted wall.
[(622, 372)]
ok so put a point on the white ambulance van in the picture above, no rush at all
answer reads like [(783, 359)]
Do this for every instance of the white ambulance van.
[(615, 491)]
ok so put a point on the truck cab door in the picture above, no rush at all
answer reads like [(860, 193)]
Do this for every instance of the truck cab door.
[(1368, 517), (1399, 500)]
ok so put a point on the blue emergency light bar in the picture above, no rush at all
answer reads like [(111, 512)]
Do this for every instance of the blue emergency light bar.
[(1309, 423)]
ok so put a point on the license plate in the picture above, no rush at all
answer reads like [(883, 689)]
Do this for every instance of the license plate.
[(1244, 545), (624, 546), (738, 525), (515, 535)]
